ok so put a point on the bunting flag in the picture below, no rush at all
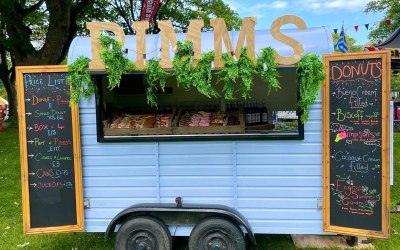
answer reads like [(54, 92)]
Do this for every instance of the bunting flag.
[(342, 43), (387, 21), (149, 9)]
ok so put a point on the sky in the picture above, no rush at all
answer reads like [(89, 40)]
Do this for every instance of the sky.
[(315, 13)]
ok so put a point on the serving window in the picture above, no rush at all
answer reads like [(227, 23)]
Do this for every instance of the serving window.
[(124, 115)]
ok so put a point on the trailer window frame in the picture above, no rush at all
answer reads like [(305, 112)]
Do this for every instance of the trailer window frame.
[(101, 138)]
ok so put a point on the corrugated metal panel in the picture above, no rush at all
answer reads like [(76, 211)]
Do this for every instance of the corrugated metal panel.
[(119, 192), (281, 170), (280, 192), (115, 171), (275, 184)]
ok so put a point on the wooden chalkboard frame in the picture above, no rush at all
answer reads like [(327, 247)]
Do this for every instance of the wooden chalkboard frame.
[(26, 214), (385, 149)]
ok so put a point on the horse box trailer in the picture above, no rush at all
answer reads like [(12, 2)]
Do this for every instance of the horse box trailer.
[(208, 168)]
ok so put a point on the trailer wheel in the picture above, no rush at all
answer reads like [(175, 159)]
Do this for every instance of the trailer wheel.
[(216, 234), (351, 240), (143, 233)]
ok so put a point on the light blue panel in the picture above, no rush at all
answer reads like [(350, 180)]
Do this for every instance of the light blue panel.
[(87, 110), (268, 203), (311, 137), (279, 192), (87, 119), (120, 203), (139, 181), (279, 181), (96, 225), (228, 201), (88, 140), (119, 160), (276, 159), (112, 171), (287, 230), (194, 169), (287, 226), (196, 192), (260, 147), (119, 192), (283, 214), (196, 181), (280, 170), (120, 149), (87, 103), (100, 213), (313, 126), (88, 129), (213, 159), (194, 148)]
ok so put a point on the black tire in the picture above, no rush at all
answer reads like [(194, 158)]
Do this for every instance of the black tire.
[(143, 233), (352, 240), (216, 233)]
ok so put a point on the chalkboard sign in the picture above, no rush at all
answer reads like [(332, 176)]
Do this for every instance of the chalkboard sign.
[(50, 151), (356, 144)]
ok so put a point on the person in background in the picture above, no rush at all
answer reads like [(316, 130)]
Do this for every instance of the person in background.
[(6, 112)]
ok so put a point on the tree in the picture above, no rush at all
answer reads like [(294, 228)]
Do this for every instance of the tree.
[(20, 20), (180, 12), (351, 43), (391, 8), (39, 32)]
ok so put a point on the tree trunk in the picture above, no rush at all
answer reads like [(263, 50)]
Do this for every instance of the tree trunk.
[(12, 98)]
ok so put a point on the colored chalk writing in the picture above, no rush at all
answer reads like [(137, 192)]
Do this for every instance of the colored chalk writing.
[(355, 109), (50, 154)]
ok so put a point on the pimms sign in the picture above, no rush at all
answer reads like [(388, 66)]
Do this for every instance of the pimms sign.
[(169, 40)]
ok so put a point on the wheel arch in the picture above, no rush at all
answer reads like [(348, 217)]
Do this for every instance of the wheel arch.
[(169, 214)]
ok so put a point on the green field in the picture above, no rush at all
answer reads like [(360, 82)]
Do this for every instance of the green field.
[(11, 236)]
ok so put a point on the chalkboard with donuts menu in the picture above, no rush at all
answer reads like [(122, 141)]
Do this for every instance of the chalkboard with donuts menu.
[(356, 144), (49, 151)]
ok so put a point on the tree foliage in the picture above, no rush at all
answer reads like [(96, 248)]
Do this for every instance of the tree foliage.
[(391, 10), (39, 32), (180, 12)]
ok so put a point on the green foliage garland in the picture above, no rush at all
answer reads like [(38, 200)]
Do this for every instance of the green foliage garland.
[(266, 67), (247, 69), (154, 74), (182, 64), (116, 63), (201, 76), (310, 73), (80, 80), (228, 75)]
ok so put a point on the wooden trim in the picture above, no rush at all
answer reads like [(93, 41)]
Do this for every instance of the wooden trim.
[(79, 226), (325, 143), (385, 233)]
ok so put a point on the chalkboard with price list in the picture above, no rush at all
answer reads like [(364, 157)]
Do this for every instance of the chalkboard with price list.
[(49, 151)]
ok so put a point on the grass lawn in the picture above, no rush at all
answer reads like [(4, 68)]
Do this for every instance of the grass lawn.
[(11, 236)]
